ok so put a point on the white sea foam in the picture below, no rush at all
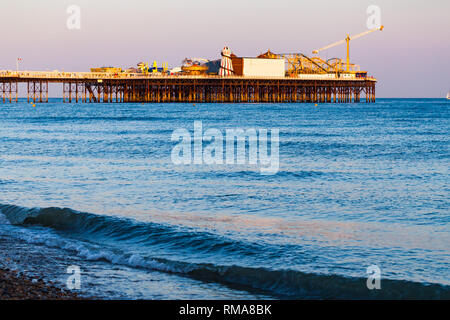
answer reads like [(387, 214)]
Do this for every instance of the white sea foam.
[(93, 252)]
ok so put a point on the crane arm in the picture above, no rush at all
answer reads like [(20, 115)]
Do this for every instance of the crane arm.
[(349, 38), (329, 46), (365, 33)]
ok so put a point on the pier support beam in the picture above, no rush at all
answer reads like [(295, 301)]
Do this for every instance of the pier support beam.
[(194, 90), (9, 91)]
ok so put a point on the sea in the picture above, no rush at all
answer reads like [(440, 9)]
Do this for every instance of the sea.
[(357, 208)]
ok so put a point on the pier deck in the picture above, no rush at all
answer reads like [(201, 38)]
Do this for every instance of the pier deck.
[(125, 87)]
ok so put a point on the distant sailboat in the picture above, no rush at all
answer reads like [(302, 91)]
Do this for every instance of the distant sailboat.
[(448, 95)]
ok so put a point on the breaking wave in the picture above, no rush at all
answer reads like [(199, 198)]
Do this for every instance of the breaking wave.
[(279, 283)]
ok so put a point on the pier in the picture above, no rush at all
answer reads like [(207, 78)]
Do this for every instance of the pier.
[(92, 87)]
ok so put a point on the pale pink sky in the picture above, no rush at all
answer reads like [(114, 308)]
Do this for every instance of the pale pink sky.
[(410, 57)]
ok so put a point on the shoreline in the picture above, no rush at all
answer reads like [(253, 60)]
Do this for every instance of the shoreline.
[(16, 286)]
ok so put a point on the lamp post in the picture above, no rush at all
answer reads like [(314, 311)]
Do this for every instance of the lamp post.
[(17, 64)]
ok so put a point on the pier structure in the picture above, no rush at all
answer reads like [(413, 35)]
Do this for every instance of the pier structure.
[(90, 87)]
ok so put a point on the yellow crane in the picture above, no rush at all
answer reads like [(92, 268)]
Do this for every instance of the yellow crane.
[(347, 40)]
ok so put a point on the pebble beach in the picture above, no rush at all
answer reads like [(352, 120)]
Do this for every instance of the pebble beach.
[(15, 286)]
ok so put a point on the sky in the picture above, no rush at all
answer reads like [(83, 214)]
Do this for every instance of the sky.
[(410, 57)]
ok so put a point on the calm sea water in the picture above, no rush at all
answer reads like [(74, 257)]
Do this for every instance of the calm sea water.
[(358, 185)]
